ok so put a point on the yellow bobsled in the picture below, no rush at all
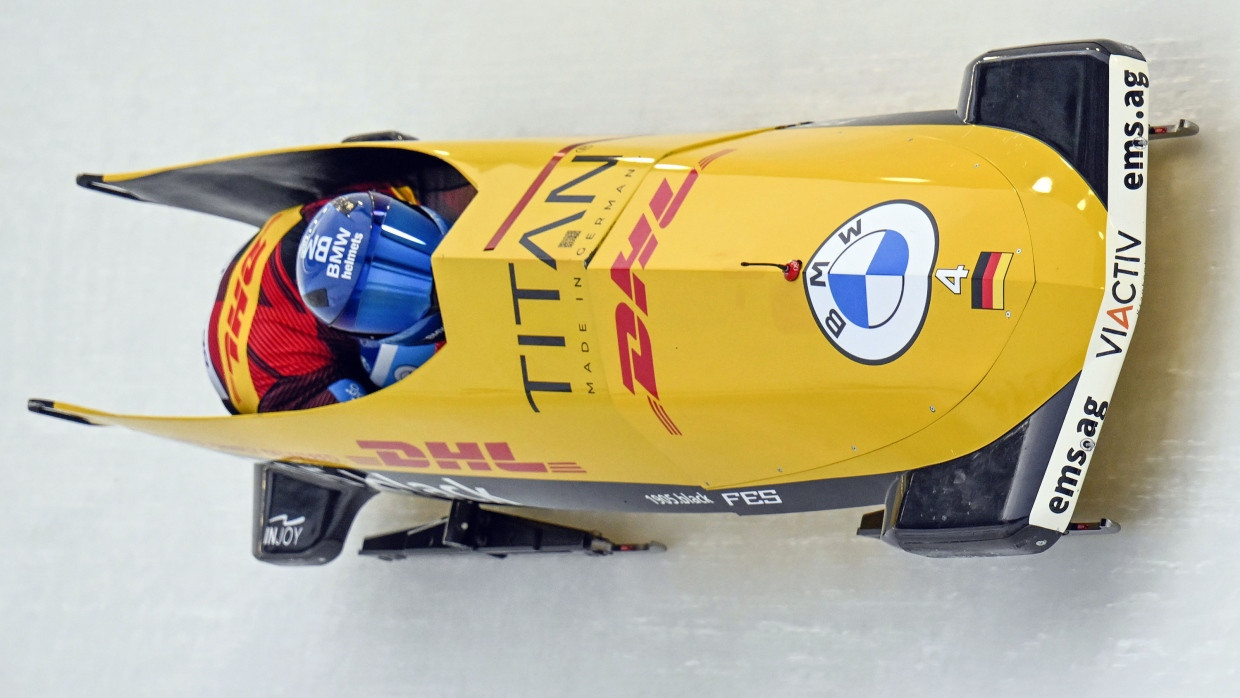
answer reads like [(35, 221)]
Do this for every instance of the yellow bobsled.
[(924, 310)]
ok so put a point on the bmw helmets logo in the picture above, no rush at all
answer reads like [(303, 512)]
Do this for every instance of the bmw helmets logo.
[(868, 284)]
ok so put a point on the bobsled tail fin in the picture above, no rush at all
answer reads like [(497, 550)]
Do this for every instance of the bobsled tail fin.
[(243, 435), (77, 415), (252, 188), (1057, 93)]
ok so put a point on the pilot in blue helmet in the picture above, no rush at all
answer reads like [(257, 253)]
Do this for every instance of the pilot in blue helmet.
[(346, 301), (364, 268)]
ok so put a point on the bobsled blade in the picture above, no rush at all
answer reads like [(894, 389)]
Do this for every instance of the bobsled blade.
[(469, 528), (1093, 527), (1180, 129), (652, 546)]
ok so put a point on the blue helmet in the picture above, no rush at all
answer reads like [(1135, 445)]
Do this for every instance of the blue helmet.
[(364, 267)]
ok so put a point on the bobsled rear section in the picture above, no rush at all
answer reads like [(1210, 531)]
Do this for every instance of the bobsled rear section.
[(1089, 102)]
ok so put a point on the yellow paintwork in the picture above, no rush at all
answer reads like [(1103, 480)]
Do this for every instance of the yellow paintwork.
[(741, 368)]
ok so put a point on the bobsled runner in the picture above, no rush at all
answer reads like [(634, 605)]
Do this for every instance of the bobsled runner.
[(926, 312)]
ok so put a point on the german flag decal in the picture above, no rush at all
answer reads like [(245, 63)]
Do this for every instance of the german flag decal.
[(992, 268)]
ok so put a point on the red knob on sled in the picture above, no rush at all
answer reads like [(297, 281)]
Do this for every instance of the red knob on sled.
[(792, 270)]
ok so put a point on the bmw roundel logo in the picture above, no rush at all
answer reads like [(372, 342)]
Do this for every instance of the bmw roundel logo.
[(868, 284)]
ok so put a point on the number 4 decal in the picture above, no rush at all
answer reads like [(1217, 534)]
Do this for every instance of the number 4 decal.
[(951, 278)]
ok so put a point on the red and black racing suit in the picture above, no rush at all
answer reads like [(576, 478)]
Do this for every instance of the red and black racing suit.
[(293, 358), (296, 362)]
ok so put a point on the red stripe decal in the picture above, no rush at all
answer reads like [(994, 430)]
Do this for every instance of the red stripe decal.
[(662, 196), (666, 219), (713, 157), (651, 243), (529, 194), (663, 417), (572, 468), (988, 288)]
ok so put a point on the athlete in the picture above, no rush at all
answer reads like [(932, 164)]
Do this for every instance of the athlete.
[(334, 299)]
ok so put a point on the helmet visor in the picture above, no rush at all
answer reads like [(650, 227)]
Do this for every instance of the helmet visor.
[(365, 264)]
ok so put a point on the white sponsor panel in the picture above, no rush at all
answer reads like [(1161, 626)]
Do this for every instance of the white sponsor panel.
[(868, 284), (1128, 134)]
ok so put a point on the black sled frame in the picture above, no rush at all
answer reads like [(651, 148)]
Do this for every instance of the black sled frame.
[(303, 513)]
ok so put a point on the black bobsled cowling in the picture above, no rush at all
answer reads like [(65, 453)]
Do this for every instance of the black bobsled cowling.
[(1057, 93), (302, 513), (978, 504)]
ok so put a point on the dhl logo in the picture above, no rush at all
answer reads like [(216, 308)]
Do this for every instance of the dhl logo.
[(472, 456), (239, 313), (632, 336)]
